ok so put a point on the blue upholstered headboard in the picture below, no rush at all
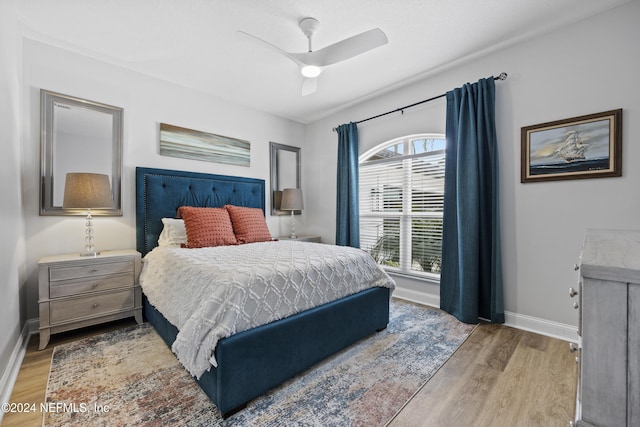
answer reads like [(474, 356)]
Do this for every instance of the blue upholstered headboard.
[(160, 192)]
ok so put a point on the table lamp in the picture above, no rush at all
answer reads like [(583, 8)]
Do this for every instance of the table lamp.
[(87, 191), (292, 201)]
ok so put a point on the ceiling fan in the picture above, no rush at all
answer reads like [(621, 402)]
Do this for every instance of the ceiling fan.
[(311, 63)]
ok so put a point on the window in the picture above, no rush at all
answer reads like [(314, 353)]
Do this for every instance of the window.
[(401, 204)]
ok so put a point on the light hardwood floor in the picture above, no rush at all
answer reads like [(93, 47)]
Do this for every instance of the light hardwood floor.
[(500, 376)]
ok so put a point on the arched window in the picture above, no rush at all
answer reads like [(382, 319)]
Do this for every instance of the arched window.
[(401, 203)]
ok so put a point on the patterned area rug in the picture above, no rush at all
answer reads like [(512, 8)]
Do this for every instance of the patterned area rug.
[(130, 377)]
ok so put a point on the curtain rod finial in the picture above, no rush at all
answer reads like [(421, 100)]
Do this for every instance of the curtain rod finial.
[(502, 76)]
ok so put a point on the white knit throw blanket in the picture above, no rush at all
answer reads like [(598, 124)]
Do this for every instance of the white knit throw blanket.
[(213, 293)]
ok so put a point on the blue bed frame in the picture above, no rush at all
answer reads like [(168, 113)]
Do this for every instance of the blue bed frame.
[(254, 361)]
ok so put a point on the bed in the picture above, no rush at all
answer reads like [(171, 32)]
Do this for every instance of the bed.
[(253, 361)]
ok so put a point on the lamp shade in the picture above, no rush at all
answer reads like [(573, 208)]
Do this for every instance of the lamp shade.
[(87, 191), (292, 200)]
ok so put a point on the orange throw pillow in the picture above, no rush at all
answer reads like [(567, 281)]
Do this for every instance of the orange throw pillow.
[(249, 224), (207, 227)]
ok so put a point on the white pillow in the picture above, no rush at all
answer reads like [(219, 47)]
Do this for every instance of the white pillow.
[(173, 233)]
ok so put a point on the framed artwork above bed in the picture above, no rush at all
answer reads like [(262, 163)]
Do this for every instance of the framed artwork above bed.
[(186, 143)]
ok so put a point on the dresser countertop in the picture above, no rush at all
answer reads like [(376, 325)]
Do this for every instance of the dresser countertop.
[(611, 255)]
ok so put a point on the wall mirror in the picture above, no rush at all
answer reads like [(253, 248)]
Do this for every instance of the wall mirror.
[(77, 135), (285, 173)]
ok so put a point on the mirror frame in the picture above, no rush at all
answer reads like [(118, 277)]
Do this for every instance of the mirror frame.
[(47, 99), (274, 166)]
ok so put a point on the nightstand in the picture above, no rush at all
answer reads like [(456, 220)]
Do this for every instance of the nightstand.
[(77, 291), (302, 238)]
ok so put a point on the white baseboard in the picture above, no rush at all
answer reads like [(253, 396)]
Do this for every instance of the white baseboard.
[(423, 298), (519, 321), (15, 361), (541, 326)]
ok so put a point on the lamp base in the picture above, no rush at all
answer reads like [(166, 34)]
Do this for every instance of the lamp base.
[(89, 253), (89, 248), (292, 233)]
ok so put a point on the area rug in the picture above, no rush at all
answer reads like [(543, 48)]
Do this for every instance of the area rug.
[(130, 377)]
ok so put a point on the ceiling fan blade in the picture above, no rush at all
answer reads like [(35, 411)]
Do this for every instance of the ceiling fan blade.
[(251, 38), (342, 50), (309, 85)]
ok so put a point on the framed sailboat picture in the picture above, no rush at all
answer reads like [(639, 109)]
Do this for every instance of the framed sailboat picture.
[(580, 147)]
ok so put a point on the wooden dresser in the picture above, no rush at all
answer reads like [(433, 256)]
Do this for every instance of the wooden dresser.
[(609, 303), (77, 291)]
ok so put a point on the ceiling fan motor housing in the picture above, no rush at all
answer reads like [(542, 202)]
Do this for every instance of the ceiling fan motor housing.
[(309, 26)]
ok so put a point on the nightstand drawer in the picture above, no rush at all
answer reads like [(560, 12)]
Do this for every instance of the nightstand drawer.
[(62, 288), (84, 271), (94, 305)]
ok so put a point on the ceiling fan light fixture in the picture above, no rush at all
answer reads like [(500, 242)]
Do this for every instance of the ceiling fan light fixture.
[(310, 71), (312, 62)]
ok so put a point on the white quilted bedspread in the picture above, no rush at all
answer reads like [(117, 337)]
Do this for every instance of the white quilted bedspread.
[(212, 293)]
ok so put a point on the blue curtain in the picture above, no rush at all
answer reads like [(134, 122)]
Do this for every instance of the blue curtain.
[(471, 272), (347, 214)]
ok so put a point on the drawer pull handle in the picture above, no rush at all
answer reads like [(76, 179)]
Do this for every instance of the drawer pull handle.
[(95, 305), (572, 292), (95, 270), (95, 285)]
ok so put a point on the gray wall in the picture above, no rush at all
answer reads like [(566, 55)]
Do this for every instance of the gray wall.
[(588, 67), (146, 102), (12, 249)]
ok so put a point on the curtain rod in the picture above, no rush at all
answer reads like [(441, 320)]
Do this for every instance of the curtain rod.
[(502, 76)]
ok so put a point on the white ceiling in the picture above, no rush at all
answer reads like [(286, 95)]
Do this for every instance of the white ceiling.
[(193, 42)]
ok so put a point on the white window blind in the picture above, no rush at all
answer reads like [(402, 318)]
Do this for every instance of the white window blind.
[(401, 203)]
